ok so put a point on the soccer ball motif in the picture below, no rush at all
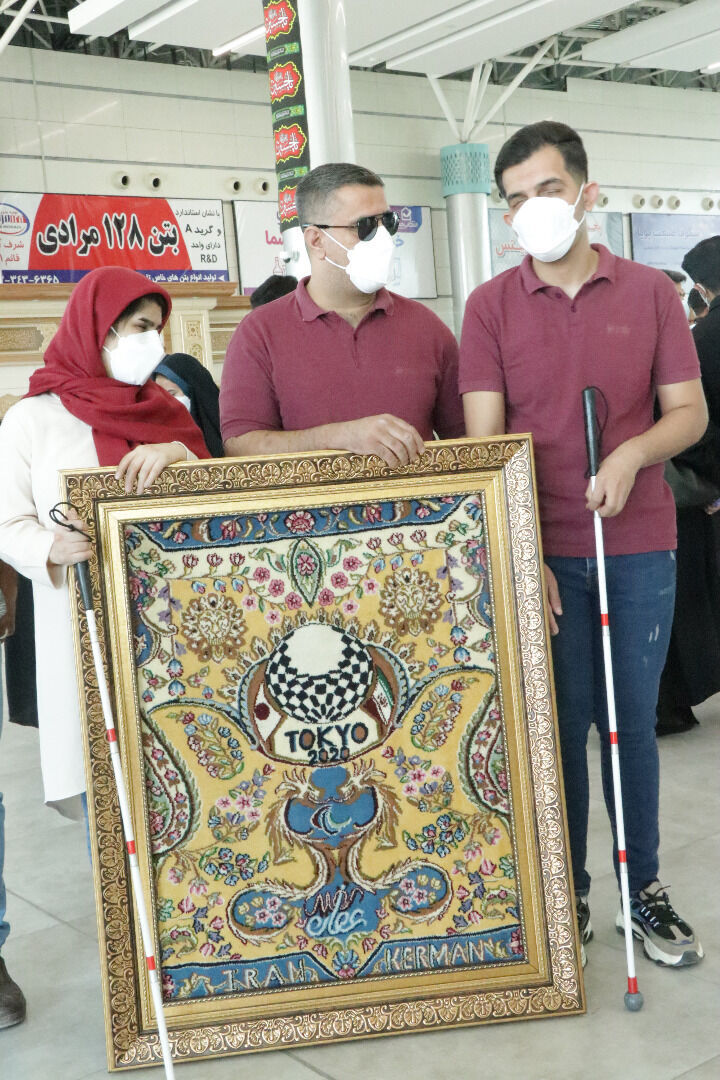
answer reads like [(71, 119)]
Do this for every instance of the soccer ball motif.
[(319, 674)]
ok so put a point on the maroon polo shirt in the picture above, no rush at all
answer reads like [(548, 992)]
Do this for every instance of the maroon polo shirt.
[(626, 333), (290, 365)]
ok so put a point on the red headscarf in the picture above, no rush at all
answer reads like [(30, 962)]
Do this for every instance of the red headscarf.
[(121, 416)]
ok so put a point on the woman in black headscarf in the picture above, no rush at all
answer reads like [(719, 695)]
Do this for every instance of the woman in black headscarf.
[(187, 380)]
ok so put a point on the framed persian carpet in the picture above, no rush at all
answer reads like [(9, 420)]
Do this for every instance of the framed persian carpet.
[(335, 713)]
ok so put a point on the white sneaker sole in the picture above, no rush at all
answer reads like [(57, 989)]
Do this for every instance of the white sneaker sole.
[(656, 954)]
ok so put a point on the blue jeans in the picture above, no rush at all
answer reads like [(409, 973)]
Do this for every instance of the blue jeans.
[(641, 598), (4, 925)]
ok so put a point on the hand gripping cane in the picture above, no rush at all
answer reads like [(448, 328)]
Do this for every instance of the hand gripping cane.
[(633, 997), (82, 574)]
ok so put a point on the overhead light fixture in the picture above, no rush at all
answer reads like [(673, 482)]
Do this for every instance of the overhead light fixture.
[(140, 28), (711, 68), (239, 43)]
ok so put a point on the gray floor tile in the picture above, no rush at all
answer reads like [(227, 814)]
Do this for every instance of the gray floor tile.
[(709, 1070), (52, 952)]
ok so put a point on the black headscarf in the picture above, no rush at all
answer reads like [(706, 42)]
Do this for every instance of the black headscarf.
[(196, 383)]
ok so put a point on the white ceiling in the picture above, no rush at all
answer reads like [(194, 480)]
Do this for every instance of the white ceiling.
[(686, 39), (436, 37)]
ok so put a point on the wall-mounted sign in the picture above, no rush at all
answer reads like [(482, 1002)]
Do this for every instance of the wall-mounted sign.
[(260, 249), (56, 238), (663, 240), (505, 251)]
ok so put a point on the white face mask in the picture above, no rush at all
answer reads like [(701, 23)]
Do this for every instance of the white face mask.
[(184, 401), (546, 226), (135, 356), (368, 265)]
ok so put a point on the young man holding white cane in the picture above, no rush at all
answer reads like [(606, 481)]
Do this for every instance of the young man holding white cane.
[(533, 339)]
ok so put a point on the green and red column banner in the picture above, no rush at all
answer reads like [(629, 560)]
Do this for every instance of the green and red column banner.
[(287, 102)]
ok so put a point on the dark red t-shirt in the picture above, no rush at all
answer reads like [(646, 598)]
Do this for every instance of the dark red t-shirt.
[(626, 333), (290, 366)]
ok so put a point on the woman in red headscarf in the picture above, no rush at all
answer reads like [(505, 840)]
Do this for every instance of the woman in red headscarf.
[(93, 403)]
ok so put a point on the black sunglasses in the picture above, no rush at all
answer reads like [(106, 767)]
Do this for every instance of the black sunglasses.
[(366, 226)]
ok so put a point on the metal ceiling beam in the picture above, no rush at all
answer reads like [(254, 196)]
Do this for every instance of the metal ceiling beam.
[(15, 25)]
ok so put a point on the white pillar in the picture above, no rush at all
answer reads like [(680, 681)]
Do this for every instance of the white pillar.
[(466, 186)]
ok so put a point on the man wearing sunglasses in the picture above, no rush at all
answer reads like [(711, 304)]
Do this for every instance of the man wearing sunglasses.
[(341, 363)]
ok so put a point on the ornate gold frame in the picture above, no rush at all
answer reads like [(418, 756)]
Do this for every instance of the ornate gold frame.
[(550, 982)]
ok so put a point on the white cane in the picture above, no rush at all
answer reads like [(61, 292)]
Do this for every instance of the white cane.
[(82, 573), (633, 997)]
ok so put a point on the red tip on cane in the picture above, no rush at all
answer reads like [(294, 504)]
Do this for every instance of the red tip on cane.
[(150, 961), (111, 734), (622, 855), (130, 845), (632, 985), (614, 737), (604, 619)]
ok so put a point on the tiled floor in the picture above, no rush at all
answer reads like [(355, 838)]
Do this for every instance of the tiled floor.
[(52, 952)]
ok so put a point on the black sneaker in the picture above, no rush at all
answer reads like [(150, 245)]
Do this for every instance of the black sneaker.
[(584, 925), (12, 1001), (667, 939)]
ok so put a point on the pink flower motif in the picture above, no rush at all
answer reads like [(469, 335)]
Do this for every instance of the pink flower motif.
[(292, 600), (351, 562), (487, 867), (224, 802), (420, 896), (388, 752), (207, 948), (306, 565), (370, 586), (423, 511), (462, 892), (217, 923), (228, 529), (347, 972), (175, 875), (179, 537), (326, 597), (436, 771), (276, 587), (198, 886), (262, 518), (339, 580), (254, 814), (418, 775), (474, 917), (302, 942), (186, 905), (492, 836), (214, 559), (249, 602), (395, 538), (242, 802), (190, 561), (418, 536), (278, 919), (237, 559), (502, 780), (350, 607), (300, 521), (410, 789), (372, 513), (407, 886), (404, 903), (273, 903), (261, 573), (273, 617), (374, 543), (320, 949), (472, 852), (368, 944)]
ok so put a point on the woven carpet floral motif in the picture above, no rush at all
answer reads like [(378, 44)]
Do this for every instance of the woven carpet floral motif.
[(327, 787)]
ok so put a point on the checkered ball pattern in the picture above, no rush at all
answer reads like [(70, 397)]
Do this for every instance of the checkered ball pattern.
[(324, 698)]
